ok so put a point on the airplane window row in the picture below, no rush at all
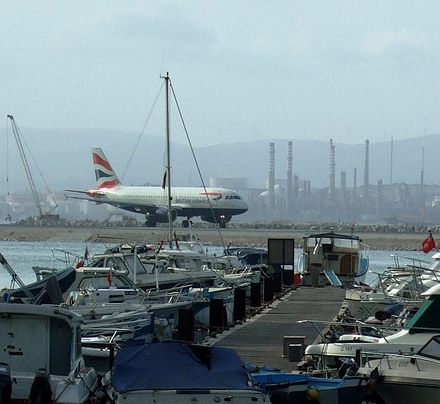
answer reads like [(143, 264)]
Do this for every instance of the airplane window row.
[(182, 198)]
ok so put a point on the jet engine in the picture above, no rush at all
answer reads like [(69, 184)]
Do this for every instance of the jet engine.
[(160, 216)]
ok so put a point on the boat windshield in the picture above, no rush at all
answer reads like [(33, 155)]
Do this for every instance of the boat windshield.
[(432, 348), (346, 243), (435, 264), (337, 242), (119, 263)]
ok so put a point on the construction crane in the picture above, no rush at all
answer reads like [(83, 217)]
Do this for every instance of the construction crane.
[(43, 216)]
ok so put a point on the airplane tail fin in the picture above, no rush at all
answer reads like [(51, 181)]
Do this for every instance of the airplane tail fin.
[(105, 176)]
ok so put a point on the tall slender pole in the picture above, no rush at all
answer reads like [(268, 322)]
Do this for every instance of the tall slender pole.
[(135, 258), (167, 109), (391, 162)]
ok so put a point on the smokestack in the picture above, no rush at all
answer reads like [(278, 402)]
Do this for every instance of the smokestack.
[(295, 187), (308, 188), (367, 170), (271, 202), (379, 196), (422, 180), (332, 185), (344, 187), (355, 183), (391, 163), (289, 201)]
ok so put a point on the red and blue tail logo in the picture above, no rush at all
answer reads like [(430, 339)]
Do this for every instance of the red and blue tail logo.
[(105, 176)]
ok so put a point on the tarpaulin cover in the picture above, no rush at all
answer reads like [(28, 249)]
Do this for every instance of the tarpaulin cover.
[(173, 365)]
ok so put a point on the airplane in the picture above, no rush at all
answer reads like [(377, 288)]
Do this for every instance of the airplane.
[(152, 201)]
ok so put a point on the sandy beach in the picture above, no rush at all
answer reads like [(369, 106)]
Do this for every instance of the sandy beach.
[(234, 236)]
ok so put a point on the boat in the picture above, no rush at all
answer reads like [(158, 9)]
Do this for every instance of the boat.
[(162, 272), (130, 312), (301, 388), (41, 350), (416, 332), (333, 259), (402, 283), (409, 379), (172, 372), (202, 304)]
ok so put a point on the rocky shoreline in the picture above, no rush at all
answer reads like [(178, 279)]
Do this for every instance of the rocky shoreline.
[(376, 240)]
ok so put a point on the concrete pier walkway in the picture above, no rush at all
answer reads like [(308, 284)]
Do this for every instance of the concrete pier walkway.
[(259, 340)]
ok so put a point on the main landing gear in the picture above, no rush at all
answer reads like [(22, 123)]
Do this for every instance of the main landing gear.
[(187, 223), (150, 220)]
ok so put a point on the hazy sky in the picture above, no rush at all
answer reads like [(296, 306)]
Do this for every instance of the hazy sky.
[(242, 70)]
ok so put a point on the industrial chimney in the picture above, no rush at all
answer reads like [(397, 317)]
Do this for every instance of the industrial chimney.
[(422, 180), (295, 187), (354, 184), (343, 187), (271, 201), (332, 185), (289, 196), (367, 171)]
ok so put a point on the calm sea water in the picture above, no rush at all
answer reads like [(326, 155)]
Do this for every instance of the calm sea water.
[(22, 256)]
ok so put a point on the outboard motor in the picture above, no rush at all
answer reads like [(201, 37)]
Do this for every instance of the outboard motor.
[(41, 392), (5, 383)]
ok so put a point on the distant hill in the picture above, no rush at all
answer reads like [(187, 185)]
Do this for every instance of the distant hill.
[(64, 158)]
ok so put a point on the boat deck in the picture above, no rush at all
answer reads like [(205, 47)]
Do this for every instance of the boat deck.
[(259, 340)]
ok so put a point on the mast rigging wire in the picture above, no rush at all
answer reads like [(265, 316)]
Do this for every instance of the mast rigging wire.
[(142, 132), (196, 162)]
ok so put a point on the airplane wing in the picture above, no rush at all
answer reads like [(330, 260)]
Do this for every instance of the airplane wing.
[(76, 191), (177, 207), (83, 198), (144, 209)]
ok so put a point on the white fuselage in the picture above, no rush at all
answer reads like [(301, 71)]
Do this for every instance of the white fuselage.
[(183, 198)]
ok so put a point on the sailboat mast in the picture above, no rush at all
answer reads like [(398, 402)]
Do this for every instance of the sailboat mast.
[(168, 167)]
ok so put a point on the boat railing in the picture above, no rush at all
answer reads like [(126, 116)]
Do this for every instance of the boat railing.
[(69, 259), (351, 326), (414, 262), (410, 278), (413, 358), (173, 295)]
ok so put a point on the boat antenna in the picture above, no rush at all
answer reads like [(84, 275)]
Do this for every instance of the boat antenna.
[(197, 164)]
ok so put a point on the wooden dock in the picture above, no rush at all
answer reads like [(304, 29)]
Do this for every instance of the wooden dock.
[(259, 340)]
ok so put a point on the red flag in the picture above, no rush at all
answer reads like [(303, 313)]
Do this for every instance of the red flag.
[(164, 180), (428, 244), (110, 277)]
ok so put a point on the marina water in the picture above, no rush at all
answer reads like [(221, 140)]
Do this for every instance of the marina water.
[(23, 255)]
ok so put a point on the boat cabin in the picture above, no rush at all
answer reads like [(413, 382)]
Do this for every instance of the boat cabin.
[(336, 259), (41, 345)]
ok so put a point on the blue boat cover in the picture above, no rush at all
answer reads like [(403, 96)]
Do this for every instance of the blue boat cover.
[(172, 365)]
